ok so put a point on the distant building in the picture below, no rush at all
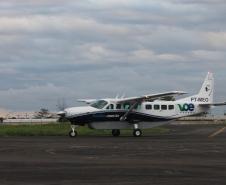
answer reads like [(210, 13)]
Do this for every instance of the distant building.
[(6, 114), (21, 115)]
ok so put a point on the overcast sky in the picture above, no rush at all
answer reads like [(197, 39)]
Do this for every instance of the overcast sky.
[(55, 49)]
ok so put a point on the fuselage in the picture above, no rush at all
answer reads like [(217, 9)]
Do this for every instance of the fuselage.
[(108, 110)]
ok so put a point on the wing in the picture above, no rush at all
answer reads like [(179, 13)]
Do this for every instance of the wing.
[(150, 96), (88, 101), (136, 100)]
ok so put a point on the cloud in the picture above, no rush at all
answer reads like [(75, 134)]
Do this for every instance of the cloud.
[(21, 99), (76, 49), (217, 40)]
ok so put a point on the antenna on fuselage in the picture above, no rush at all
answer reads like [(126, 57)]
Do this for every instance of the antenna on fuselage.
[(116, 96), (123, 96)]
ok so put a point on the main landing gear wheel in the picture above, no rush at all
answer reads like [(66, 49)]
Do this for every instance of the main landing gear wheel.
[(73, 133), (137, 133), (115, 132)]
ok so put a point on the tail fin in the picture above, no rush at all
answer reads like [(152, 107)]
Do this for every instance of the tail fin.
[(205, 95), (206, 91)]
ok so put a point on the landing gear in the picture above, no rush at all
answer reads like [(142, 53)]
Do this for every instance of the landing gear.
[(137, 133), (115, 132), (73, 132)]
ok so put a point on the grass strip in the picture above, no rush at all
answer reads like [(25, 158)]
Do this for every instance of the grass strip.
[(62, 129)]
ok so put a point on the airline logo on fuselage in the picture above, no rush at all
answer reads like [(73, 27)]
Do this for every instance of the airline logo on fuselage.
[(186, 107), (194, 99)]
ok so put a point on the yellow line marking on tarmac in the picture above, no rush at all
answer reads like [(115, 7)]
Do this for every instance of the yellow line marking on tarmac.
[(217, 132)]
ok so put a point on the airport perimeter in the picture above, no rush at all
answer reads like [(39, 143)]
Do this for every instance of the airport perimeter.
[(187, 154)]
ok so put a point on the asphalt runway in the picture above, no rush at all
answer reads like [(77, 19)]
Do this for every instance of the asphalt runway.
[(187, 155)]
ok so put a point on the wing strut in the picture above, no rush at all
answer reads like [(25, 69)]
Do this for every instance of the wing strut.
[(123, 118)]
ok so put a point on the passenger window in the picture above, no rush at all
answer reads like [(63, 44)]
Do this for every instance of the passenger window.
[(163, 107), (118, 106), (171, 107), (156, 107), (148, 107)]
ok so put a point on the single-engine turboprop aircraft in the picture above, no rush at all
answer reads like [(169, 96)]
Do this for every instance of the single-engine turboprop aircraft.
[(139, 112)]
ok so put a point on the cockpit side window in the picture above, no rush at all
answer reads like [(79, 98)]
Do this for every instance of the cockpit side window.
[(118, 106), (100, 104), (111, 107)]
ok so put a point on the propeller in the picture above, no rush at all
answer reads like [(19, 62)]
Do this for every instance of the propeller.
[(61, 105), (62, 116), (61, 113)]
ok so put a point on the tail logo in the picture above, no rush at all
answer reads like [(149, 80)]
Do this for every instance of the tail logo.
[(207, 88)]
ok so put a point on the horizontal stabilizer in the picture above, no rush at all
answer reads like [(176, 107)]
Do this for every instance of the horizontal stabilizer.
[(213, 104)]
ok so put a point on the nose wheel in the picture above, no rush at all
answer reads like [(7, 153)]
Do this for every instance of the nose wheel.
[(73, 132)]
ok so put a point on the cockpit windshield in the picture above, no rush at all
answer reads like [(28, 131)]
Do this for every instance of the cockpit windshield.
[(99, 104)]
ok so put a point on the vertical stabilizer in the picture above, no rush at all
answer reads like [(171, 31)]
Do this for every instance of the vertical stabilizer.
[(205, 95), (207, 88)]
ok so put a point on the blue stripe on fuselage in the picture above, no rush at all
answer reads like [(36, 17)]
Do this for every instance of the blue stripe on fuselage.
[(115, 115)]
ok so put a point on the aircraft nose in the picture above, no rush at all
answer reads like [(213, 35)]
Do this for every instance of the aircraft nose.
[(61, 113)]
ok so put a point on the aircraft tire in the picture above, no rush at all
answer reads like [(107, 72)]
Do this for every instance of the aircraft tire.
[(137, 133), (73, 134), (115, 132)]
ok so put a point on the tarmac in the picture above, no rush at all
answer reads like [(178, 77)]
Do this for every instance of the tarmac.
[(187, 155)]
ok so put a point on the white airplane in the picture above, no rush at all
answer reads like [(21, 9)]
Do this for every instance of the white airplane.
[(139, 112)]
